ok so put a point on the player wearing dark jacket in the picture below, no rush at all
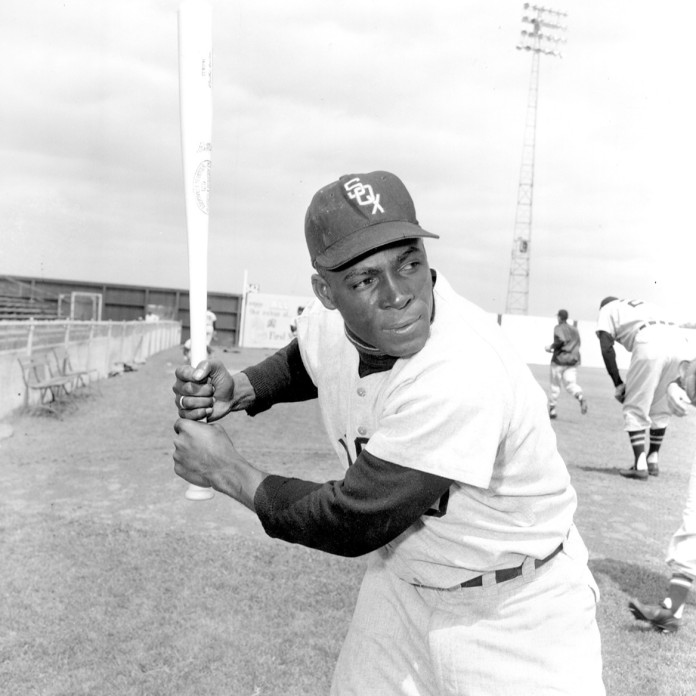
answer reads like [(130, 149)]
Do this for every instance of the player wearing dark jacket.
[(564, 363)]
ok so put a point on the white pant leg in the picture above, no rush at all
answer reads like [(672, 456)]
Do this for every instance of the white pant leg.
[(536, 634), (641, 380), (681, 554), (654, 364), (385, 652), (555, 378), (570, 381)]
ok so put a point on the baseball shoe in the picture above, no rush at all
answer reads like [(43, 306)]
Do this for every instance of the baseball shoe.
[(640, 474), (583, 405), (552, 412), (653, 467), (660, 618)]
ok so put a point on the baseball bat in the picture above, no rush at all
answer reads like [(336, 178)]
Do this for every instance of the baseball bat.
[(196, 113)]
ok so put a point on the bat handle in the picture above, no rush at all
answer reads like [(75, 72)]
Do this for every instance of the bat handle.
[(198, 493)]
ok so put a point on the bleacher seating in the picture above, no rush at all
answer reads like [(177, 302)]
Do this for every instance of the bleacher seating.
[(14, 308)]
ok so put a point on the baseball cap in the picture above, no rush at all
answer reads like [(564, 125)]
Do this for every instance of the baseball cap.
[(358, 214), (607, 300), (563, 314)]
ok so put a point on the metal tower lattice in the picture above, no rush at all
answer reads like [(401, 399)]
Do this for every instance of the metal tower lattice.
[(542, 35)]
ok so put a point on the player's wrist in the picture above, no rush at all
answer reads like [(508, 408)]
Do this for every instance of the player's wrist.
[(243, 393)]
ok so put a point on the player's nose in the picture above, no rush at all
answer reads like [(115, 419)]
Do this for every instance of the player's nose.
[(396, 293)]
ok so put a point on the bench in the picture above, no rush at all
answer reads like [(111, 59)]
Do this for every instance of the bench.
[(62, 366), (52, 389)]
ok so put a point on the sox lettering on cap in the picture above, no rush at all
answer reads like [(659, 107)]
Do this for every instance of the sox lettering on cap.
[(357, 214)]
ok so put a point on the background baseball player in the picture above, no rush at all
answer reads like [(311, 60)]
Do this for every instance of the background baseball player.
[(657, 347), (453, 484), (681, 555), (564, 363), (210, 319)]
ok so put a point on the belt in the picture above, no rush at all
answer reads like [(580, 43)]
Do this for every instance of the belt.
[(500, 575), (655, 321)]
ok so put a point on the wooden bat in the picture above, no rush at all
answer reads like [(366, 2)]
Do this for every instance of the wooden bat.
[(196, 111)]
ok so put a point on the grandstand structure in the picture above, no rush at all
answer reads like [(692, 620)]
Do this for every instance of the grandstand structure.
[(26, 298), (20, 300)]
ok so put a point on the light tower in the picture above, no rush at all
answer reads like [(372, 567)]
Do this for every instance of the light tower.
[(542, 34)]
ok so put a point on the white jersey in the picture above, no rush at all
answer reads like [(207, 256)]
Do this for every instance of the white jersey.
[(624, 319), (210, 319), (466, 408)]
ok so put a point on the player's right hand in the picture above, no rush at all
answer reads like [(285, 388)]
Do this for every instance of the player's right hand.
[(620, 393), (677, 399), (203, 392)]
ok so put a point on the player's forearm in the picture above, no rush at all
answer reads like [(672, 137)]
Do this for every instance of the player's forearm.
[(606, 345), (239, 481), (280, 378), (243, 394), (375, 503), (609, 358)]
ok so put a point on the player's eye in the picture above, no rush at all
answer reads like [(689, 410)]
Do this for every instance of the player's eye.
[(363, 283)]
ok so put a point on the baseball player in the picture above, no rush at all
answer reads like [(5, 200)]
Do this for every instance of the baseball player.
[(681, 555), (453, 485), (657, 347), (210, 319), (564, 363)]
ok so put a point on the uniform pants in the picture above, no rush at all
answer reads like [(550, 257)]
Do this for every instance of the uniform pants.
[(566, 376), (681, 554), (655, 360), (536, 634)]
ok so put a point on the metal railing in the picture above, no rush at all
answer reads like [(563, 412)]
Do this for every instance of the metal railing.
[(100, 346)]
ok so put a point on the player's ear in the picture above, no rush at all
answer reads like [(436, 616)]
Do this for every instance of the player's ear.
[(322, 290)]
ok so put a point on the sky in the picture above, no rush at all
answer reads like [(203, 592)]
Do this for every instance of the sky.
[(307, 90)]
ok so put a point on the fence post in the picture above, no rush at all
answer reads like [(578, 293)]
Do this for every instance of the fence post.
[(30, 337)]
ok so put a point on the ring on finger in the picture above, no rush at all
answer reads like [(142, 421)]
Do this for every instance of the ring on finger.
[(181, 402)]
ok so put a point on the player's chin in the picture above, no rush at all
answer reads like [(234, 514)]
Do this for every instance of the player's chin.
[(406, 345)]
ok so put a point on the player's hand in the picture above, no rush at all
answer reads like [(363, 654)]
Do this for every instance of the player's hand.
[(677, 400), (201, 451), (205, 456), (206, 391), (548, 349), (620, 393)]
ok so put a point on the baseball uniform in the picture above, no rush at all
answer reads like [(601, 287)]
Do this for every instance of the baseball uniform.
[(656, 346), (563, 371), (493, 564)]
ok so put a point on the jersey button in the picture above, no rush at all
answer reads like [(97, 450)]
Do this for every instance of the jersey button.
[(362, 430), (361, 391)]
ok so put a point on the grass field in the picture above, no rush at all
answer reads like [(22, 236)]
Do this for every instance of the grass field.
[(111, 583)]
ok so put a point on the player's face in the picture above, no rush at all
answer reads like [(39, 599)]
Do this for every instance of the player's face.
[(386, 299)]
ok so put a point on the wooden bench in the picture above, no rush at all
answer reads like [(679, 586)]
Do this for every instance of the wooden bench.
[(62, 366), (52, 389)]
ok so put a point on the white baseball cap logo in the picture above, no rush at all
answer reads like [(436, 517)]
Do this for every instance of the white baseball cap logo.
[(363, 194)]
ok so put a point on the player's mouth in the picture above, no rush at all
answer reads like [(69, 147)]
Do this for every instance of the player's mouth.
[(404, 327)]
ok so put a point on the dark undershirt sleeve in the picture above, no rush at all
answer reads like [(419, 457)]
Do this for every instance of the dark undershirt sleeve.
[(280, 378), (372, 505), (606, 345)]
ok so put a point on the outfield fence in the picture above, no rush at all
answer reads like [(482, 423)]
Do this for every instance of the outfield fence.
[(100, 346)]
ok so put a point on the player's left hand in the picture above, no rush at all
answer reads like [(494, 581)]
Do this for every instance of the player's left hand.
[(203, 392), (620, 393), (677, 400)]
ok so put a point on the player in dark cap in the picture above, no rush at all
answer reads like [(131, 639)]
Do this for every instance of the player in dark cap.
[(564, 363)]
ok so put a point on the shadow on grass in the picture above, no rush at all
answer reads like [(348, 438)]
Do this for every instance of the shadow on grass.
[(609, 470), (632, 579)]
